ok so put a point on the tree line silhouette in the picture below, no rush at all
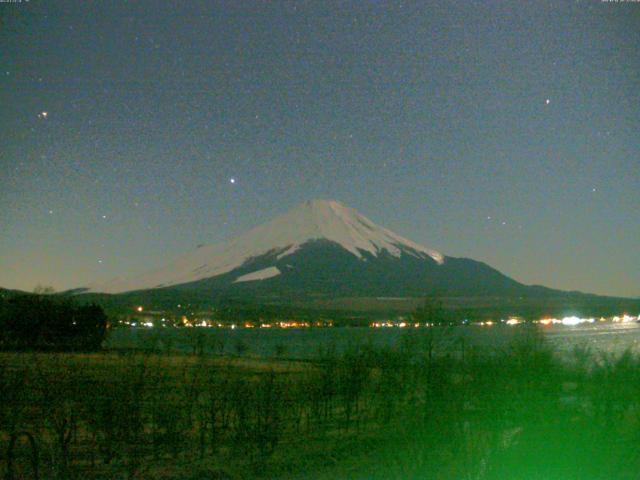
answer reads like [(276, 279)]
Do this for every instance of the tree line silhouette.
[(50, 323)]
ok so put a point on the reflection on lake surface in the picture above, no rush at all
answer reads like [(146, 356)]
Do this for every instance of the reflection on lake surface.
[(600, 337), (612, 338)]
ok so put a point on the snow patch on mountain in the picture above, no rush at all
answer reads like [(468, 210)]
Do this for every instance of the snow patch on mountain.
[(312, 220), (263, 274)]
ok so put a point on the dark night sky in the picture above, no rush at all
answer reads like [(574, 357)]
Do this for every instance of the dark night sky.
[(508, 132)]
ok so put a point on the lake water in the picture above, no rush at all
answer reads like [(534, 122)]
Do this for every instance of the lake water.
[(611, 338)]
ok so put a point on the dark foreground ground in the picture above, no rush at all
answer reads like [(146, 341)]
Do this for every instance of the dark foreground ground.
[(513, 412)]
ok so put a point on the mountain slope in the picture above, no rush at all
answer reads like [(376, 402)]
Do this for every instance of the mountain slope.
[(323, 268), (278, 239), (322, 249)]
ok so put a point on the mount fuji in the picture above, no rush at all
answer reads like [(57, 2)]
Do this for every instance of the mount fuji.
[(320, 248)]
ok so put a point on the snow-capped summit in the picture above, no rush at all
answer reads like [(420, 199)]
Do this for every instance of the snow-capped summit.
[(316, 220), (330, 220)]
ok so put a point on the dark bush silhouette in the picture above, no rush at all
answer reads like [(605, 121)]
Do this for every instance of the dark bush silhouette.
[(36, 322)]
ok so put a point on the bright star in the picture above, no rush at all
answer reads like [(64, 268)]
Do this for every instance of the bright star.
[(547, 101), (232, 180)]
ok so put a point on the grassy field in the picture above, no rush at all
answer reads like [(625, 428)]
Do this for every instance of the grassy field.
[(516, 412)]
